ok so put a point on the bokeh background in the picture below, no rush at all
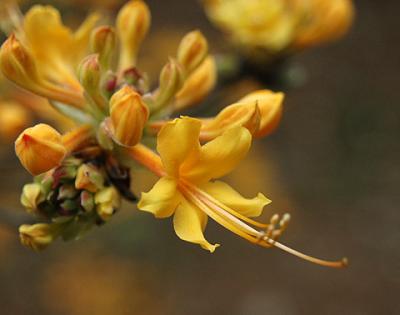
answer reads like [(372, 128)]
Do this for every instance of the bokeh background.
[(333, 163)]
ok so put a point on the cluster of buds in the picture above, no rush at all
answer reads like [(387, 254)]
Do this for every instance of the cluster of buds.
[(84, 191)]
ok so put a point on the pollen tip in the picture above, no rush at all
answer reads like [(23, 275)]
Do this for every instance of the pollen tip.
[(345, 262)]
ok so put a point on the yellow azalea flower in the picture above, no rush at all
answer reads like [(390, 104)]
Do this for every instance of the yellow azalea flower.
[(187, 189), (280, 25), (189, 170)]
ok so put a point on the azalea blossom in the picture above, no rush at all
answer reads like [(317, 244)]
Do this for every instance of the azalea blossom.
[(91, 76)]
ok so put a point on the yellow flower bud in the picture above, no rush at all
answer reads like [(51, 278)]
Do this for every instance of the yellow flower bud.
[(103, 42), (31, 197), (192, 51), (171, 80), (197, 85), (107, 202), (89, 178), (270, 105), (36, 236), (14, 118), (90, 76), (129, 115), (17, 64), (90, 73), (132, 23), (40, 148)]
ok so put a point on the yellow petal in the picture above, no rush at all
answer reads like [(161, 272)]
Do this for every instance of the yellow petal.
[(51, 42), (176, 141), (270, 105), (239, 114), (198, 85), (218, 157), (228, 196), (189, 224), (162, 199)]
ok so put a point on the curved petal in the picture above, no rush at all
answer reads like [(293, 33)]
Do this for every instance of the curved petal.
[(189, 224), (218, 157), (239, 114), (270, 105), (228, 196), (176, 141), (162, 199)]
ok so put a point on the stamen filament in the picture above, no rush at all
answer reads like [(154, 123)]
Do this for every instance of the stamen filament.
[(219, 204), (261, 240)]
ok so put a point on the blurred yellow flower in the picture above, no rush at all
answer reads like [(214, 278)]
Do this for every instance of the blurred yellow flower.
[(280, 26)]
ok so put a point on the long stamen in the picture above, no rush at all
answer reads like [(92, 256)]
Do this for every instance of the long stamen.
[(261, 238), (219, 204)]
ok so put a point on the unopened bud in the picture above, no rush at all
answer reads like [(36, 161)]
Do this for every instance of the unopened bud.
[(90, 77), (103, 42), (198, 85), (171, 80), (90, 73), (89, 178), (107, 202), (133, 22), (270, 105), (192, 51), (17, 64), (234, 115), (36, 236), (31, 196), (129, 115), (40, 148)]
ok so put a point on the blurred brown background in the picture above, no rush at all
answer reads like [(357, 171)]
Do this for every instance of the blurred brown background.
[(333, 163)]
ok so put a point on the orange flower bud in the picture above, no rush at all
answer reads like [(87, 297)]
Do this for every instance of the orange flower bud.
[(40, 148), (132, 23), (129, 115), (171, 80), (270, 105), (17, 64), (239, 114), (197, 85), (192, 50)]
